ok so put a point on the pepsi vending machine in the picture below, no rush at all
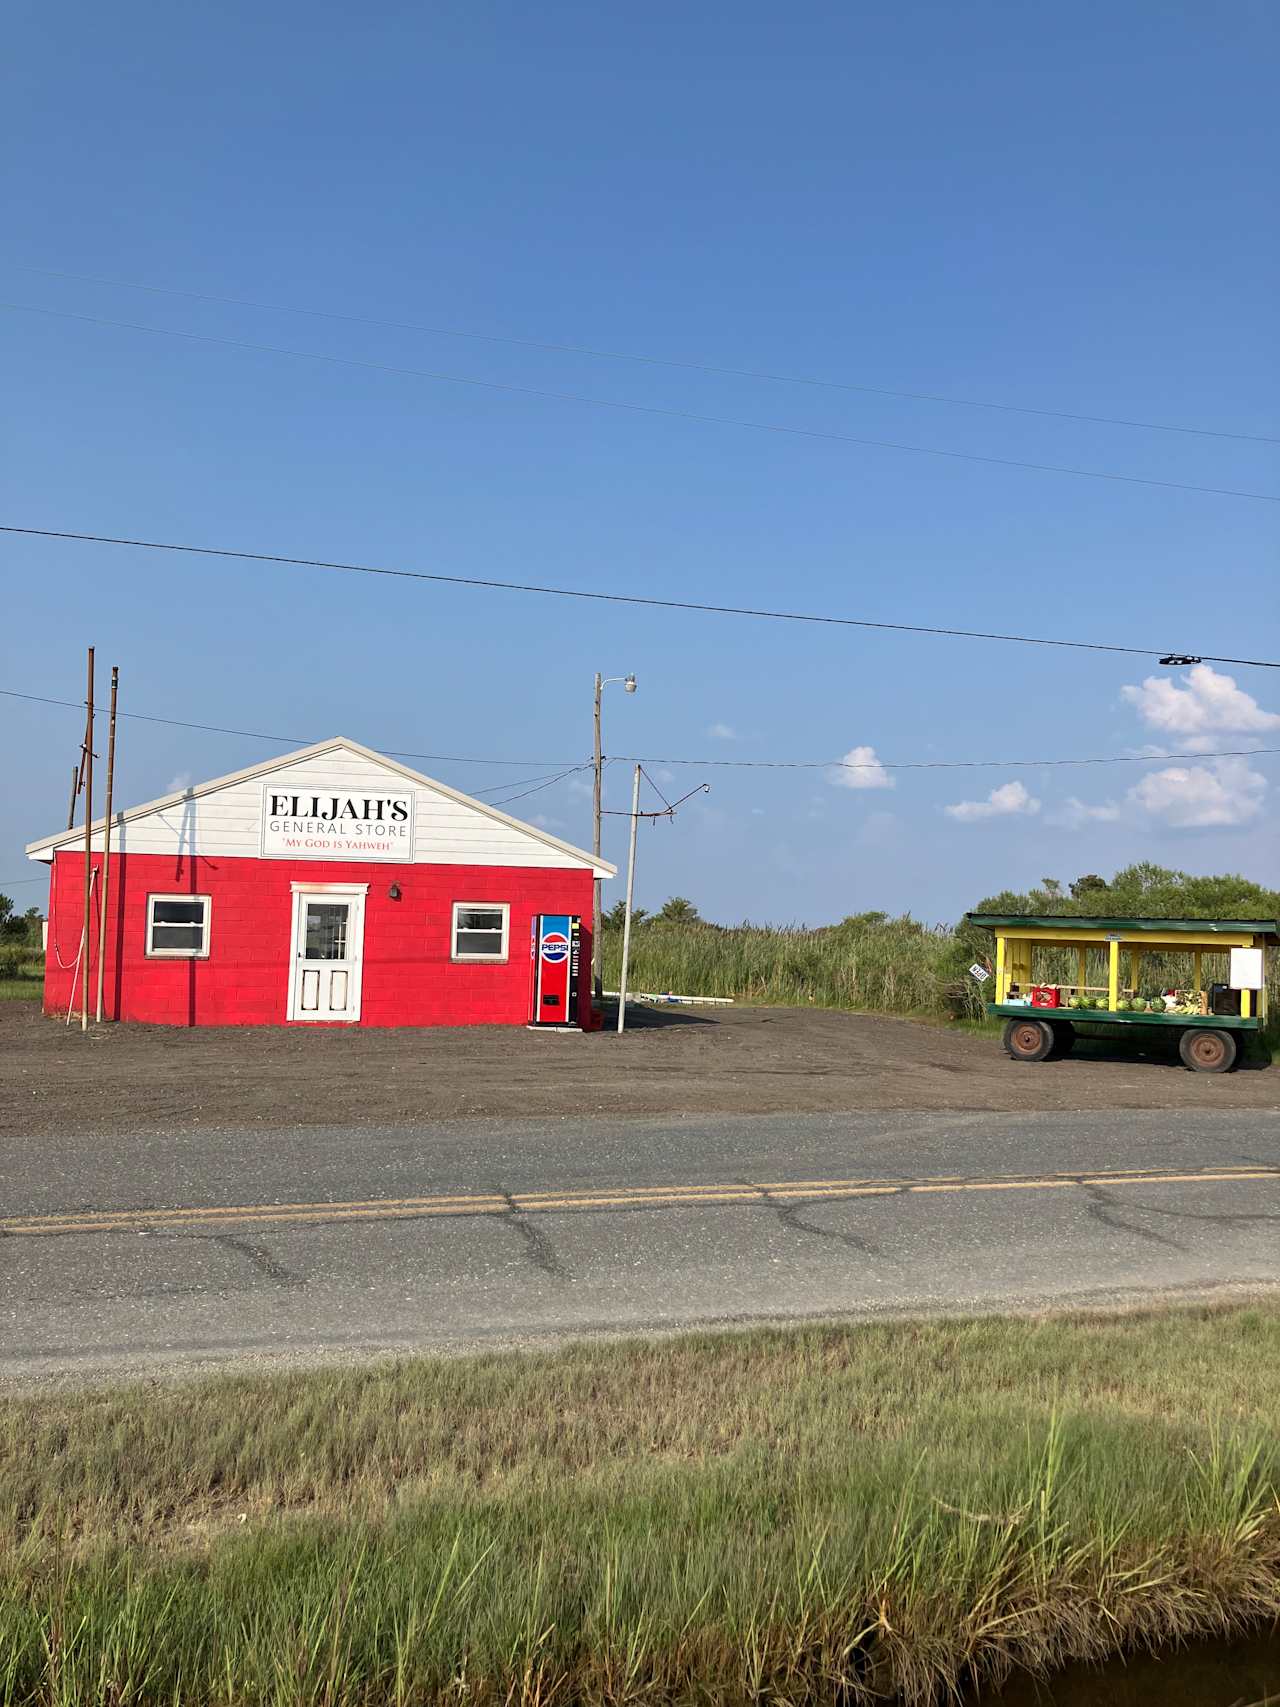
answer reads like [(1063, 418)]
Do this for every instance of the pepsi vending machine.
[(555, 968)]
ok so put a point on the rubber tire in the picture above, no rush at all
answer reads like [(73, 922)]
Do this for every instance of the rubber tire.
[(1026, 1029), (1064, 1037), (1218, 1048)]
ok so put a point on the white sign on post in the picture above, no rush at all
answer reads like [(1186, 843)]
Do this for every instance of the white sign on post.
[(314, 824), (979, 972), (1246, 969)]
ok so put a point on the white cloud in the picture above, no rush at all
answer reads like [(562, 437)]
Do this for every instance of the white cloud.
[(582, 789), (544, 823), (722, 732), (861, 769), (1207, 703), (1192, 715), (1196, 796), (1009, 800), (180, 783), (1074, 814)]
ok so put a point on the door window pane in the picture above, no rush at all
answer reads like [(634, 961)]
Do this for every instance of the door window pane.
[(326, 933)]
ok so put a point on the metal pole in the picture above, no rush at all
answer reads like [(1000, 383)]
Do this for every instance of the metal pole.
[(626, 920), (88, 841), (106, 843), (597, 946), (75, 789)]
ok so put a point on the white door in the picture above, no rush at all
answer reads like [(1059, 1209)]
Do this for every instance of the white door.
[(328, 939)]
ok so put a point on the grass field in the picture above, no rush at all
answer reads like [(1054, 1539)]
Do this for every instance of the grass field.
[(21, 973), (785, 1516)]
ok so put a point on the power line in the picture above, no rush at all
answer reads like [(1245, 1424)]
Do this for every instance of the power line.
[(546, 780), (651, 361), (645, 408), (508, 799), (284, 740), (542, 781), (955, 764), (618, 598)]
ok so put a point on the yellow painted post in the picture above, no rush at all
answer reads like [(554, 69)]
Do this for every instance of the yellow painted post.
[(1134, 954), (1196, 975), (1082, 967), (1113, 979), (1000, 970), (1246, 1003)]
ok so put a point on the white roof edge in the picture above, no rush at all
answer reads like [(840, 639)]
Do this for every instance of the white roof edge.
[(45, 848)]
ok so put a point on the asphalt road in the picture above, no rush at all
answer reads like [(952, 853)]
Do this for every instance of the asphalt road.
[(153, 1254)]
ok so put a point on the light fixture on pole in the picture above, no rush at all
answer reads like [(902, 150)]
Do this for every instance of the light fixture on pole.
[(597, 947)]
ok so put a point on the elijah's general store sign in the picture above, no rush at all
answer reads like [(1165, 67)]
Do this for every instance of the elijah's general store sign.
[(335, 826)]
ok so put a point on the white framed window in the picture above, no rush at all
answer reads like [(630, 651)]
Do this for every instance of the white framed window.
[(480, 930), (178, 926)]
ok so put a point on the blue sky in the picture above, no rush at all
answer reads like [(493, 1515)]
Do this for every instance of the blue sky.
[(1068, 209)]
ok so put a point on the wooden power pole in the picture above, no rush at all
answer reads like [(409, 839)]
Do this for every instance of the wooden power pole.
[(88, 843), (106, 843)]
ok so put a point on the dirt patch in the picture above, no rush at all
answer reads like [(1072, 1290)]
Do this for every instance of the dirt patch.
[(134, 1078)]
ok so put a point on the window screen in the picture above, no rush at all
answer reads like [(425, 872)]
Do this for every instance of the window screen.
[(178, 924), (479, 931)]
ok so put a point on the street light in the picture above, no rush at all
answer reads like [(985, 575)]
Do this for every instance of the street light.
[(597, 947)]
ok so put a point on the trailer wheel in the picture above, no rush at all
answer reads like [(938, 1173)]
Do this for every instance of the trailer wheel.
[(1064, 1037), (1028, 1039), (1207, 1051)]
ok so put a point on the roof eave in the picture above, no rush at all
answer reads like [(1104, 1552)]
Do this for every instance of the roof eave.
[(46, 847)]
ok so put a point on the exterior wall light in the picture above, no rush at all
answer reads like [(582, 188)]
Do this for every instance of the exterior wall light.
[(394, 892)]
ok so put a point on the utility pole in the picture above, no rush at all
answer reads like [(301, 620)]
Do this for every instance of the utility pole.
[(626, 921), (597, 943), (88, 841), (106, 842), (597, 947)]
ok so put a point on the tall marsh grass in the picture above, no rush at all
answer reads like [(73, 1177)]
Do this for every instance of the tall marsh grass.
[(792, 1517), (873, 963)]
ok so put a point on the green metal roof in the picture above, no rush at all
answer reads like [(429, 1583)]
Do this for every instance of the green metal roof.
[(1066, 922)]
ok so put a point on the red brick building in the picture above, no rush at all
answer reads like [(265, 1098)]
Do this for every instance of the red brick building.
[(330, 885)]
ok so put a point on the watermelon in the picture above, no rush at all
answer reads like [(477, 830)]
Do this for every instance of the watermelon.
[(1122, 1006), (1100, 1003)]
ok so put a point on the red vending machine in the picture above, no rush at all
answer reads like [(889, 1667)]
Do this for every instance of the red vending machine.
[(555, 955)]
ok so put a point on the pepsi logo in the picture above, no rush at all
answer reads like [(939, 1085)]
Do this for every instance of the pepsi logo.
[(555, 947)]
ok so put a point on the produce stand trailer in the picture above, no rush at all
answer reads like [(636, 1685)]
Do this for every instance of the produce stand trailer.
[(1208, 1042)]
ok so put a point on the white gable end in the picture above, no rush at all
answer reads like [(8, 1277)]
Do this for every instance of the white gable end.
[(336, 801)]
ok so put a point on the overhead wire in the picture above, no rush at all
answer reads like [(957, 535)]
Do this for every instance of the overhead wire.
[(640, 599), (647, 360), (653, 409), (957, 764), (284, 740), (509, 799), (546, 780)]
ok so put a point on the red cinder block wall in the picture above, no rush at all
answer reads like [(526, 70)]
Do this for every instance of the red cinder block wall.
[(409, 977)]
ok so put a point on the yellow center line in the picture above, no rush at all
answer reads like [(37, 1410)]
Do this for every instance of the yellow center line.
[(622, 1197)]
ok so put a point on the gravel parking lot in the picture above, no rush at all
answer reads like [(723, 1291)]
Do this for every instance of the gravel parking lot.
[(131, 1078)]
